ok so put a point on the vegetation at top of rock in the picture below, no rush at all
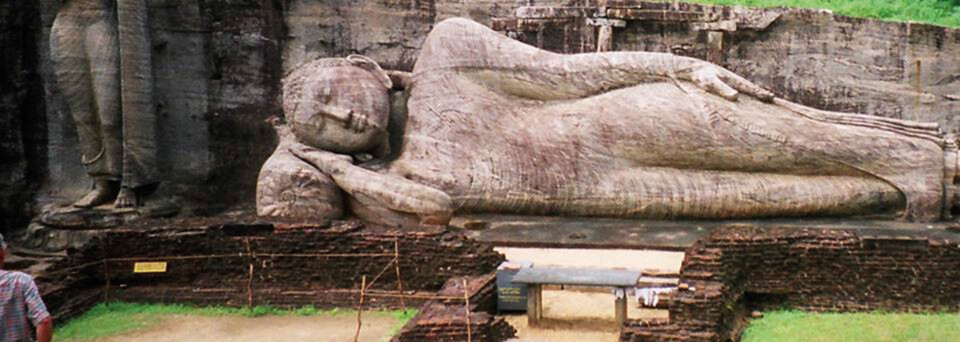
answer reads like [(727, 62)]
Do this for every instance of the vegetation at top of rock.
[(938, 12), (796, 326)]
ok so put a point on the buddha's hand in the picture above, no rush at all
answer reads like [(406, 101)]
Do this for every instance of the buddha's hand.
[(396, 193), (723, 82), (328, 162)]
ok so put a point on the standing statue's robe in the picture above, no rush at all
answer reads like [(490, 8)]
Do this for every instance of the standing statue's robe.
[(101, 54)]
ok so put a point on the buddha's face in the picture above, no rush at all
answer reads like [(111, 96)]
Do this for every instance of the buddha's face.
[(341, 109)]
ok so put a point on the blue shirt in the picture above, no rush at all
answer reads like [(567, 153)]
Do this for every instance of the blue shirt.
[(20, 305)]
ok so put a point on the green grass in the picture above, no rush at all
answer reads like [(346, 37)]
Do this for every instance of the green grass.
[(795, 326), (118, 318), (402, 318), (938, 12)]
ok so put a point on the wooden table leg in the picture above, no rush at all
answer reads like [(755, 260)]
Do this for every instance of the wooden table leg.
[(534, 304), (621, 305)]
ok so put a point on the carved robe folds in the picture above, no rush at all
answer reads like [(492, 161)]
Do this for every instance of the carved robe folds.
[(497, 126), (102, 59)]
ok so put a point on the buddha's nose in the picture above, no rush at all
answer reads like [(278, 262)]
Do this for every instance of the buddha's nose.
[(335, 112)]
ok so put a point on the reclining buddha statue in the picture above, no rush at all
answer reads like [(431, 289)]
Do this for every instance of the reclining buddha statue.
[(486, 124)]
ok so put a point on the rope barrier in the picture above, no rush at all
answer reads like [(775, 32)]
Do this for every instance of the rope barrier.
[(466, 309), (363, 288), (384, 294), (217, 256), (396, 259), (249, 253), (246, 243)]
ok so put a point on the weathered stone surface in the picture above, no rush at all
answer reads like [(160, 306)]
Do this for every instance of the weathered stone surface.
[(101, 54), (22, 130), (102, 217), (390, 32), (218, 65), (813, 57), (216, 72), (496, 126)]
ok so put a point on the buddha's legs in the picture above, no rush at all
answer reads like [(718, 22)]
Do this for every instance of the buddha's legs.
[(86, 62), (746, 135), (666, 156), (670, 193), (913, 162), (694, 130)]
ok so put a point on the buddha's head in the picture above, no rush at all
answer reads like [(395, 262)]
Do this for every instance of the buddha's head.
[(340, 105)]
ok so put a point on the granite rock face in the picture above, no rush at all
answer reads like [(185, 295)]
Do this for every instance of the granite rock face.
[(390, 32), (813, 57), (217, 66), (22, 137)]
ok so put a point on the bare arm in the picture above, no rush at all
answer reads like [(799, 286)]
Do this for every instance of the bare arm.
[(45, 330)]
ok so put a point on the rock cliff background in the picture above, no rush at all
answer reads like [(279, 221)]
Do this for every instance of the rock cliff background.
[(218, 63)]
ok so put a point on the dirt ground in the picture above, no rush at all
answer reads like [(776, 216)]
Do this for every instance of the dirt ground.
[(269, 328), (569, 315), (577, 316)]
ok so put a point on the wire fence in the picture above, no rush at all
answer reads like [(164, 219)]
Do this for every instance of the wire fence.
[(249, 254)]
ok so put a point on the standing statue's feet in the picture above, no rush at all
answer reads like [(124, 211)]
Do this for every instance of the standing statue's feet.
[(127, 198), (103, 192)]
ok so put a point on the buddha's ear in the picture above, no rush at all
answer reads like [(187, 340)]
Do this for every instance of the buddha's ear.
[(372, 66), (383, 149)]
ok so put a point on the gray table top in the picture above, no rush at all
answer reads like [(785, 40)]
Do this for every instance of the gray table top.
[(577, 276)]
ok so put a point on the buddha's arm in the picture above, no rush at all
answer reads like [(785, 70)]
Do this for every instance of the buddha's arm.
[(488, 57), (431, 205), (598, 72)]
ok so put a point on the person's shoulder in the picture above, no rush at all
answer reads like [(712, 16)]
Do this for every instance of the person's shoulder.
[(17, 276)]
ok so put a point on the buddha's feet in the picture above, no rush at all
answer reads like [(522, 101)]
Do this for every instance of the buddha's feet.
[(952, 176), (127, 198), (103, 192)]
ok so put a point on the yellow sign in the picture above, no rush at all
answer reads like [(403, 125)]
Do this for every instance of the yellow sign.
[(150, 267)]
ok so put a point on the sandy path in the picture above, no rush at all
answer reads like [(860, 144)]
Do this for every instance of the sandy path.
[(587, 314), (577, 316), (177, 328)]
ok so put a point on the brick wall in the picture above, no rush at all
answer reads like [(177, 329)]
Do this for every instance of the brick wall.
[(734, 269), (446, 319), (209, 262)]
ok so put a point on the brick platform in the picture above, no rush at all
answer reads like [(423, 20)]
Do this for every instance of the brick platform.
[(446, 319), (243, 261), (739, 268)]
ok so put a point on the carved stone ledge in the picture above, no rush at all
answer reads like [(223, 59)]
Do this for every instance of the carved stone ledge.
[(68, 217)]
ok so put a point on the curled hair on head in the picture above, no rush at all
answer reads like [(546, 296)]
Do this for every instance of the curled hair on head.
[(294, 81)]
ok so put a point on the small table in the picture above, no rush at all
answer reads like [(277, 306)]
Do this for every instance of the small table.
[(535, 278)]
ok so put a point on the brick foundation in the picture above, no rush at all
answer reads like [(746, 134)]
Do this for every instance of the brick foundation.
[(445, 319), (244, 261), (734, 269)]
